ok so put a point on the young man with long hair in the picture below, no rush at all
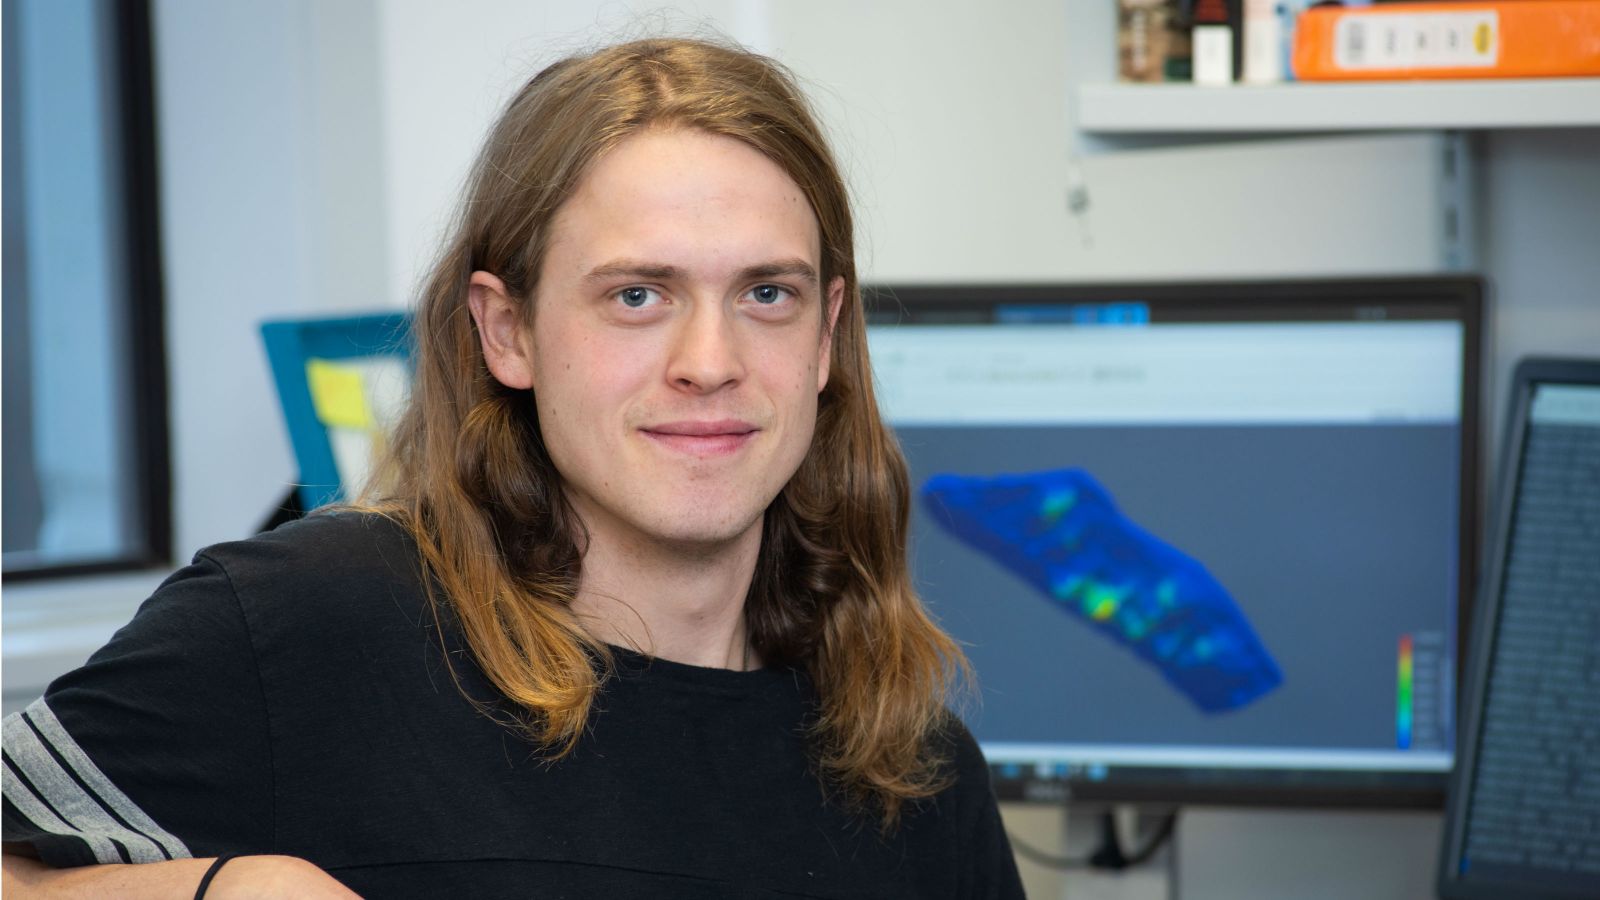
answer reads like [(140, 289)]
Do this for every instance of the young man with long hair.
[(626, 611)]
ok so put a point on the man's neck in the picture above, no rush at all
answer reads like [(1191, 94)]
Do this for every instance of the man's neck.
[(684, 604)]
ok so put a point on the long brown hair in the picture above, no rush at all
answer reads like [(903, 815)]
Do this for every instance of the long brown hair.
[(469, 475)]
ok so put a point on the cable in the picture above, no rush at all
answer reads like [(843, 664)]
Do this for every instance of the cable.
[(1109, 854), (1048, 860), (1153, 841)]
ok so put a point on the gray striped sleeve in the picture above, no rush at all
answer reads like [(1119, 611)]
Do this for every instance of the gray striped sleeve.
[(55, 787)]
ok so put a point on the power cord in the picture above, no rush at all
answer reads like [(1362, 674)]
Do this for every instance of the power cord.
[(1109, 855), (1048, 860)]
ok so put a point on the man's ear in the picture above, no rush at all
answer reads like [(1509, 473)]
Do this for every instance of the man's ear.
[(835, 303), (500, 328)]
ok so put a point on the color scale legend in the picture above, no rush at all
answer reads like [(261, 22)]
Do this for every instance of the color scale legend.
[(1403, 677)]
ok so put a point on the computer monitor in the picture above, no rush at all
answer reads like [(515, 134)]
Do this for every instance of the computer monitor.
[(1201, 542), (1524, 813)]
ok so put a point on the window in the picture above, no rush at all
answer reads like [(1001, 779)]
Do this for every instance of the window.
[(86, 483)]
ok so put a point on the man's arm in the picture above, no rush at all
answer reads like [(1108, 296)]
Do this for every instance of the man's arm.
[(135, 770), (245, 878), (154, 753)]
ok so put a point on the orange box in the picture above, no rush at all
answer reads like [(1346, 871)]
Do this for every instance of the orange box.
[(1497, 39)]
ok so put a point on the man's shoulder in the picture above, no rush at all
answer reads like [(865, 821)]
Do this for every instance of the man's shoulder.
[(333, 564), (325, 535), (963, 760), (953, 740), (325, 546)]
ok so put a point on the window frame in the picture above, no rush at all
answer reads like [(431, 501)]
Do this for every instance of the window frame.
[(133, 71)]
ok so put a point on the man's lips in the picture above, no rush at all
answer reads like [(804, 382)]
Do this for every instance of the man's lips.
[(702, 438)]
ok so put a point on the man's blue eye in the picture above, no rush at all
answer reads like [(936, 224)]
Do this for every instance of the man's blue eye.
[(634, 297), (768, 293)]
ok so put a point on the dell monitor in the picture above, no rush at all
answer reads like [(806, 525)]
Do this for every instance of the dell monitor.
[(1200, 542)]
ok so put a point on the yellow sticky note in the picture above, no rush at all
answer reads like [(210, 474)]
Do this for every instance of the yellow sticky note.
[(339, 394)]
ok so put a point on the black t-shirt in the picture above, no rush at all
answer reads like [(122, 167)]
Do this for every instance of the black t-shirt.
[(290, 694)]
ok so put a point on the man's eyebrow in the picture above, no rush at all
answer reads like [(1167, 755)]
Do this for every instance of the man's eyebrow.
[(627, 268), (783, 268)]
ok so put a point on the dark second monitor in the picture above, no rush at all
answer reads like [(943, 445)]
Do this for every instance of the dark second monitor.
[(1524, 813), (1201, 542)]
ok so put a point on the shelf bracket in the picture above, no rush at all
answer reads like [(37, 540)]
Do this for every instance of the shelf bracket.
[(1458, 207)]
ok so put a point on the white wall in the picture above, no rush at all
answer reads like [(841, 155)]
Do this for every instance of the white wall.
[(951, 121), (447, 69), (1540, 216), (270, 163)]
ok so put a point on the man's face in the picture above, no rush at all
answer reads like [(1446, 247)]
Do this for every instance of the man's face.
[(680, 338)]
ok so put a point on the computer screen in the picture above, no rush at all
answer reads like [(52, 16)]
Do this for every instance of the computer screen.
[(1524, 815), (1202, 542)]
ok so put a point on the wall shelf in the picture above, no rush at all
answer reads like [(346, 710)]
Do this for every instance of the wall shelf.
[(1341, 106)]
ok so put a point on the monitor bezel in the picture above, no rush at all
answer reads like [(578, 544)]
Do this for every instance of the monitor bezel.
[(1309, 299), (1528, 375)]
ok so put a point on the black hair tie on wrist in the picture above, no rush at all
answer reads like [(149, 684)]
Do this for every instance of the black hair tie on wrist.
[(205, 880)]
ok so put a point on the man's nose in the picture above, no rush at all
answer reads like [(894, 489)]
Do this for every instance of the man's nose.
[(706, 353)]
